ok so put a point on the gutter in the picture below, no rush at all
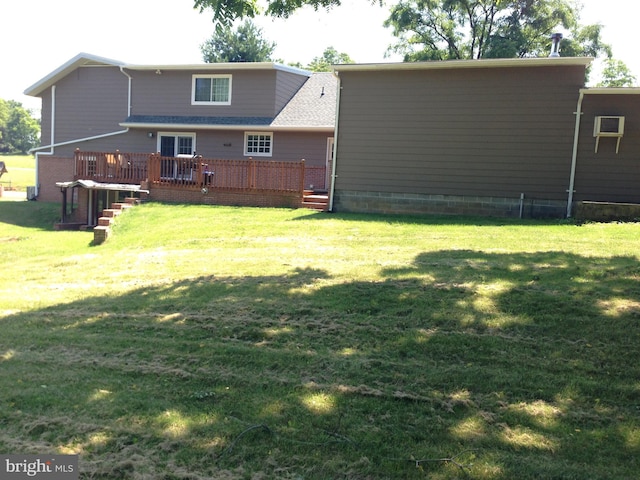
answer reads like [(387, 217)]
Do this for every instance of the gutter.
[(335, 142), (574, 157)]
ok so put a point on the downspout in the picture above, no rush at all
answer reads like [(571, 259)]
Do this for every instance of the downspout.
[(52, 140), (129, 92), (335, 145), (52, 145), (574, 157)]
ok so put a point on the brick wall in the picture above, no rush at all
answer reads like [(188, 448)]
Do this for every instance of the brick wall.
[(53, 169), (215, 197)]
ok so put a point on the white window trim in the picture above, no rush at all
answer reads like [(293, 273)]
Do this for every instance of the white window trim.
[(257, 154), (177, 134), (193, 89)]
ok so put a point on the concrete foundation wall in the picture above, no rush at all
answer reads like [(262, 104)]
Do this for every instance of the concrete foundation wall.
[(416, 204)]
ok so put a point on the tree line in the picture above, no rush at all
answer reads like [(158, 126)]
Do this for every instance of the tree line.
[(428, 30), (19, 130)]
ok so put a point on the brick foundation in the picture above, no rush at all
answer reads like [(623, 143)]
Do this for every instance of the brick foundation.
[(217, 197)]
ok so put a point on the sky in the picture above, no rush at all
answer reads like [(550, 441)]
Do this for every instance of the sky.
[(38, 36)]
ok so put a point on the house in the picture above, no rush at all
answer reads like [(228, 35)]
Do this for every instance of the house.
[(226, 111), (500, 137), (505, 137)]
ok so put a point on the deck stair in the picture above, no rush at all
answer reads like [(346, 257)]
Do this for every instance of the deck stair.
[(102, 231), (316, 200)]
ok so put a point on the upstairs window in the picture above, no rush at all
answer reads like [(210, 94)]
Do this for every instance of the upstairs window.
[(258, 144), (211, 90)]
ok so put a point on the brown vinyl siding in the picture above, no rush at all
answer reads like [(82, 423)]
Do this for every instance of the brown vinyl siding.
[(254, 93), (607, 176), (287, 84), (90, 101), (494, 132)]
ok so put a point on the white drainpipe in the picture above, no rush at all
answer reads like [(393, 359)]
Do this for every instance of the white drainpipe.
[(335, 145), (52, 143), (574, 157), (129, 93), (52, 140)]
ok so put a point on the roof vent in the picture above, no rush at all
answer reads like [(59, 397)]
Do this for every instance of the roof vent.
[(555, 44)]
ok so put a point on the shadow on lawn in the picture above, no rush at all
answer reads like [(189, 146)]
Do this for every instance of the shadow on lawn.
[(527, 362)]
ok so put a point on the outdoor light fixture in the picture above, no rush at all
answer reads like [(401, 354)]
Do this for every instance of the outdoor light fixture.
[(150, 134)]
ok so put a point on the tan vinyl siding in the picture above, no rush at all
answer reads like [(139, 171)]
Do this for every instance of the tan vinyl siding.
[(607, 176), (492, 132)]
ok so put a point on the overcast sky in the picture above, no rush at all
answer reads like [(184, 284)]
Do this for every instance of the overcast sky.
[(37, 36)]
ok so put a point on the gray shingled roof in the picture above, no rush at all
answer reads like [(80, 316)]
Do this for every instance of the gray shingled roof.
[(192, 120), (314, 105)]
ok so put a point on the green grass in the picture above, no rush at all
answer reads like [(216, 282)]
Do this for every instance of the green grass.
[(218, 342), (21, 172)]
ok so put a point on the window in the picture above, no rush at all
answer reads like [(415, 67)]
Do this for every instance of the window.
[(211, 90), (258, 144)]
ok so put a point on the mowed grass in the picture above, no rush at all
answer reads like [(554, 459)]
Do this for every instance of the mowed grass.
[(21, 172), (216, 342)]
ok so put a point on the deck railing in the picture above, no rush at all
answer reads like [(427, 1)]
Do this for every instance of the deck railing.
[(191, 171), (111, 167)]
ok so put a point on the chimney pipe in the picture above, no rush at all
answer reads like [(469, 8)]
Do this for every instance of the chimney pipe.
[(555, 44)]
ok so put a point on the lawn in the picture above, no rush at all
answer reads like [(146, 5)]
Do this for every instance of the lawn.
[(21, 172), (236, 343)]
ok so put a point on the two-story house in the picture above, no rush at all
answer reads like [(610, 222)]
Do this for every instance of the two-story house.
[(221, 111)]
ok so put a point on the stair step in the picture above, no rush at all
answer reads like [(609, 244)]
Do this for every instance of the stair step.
[(111, 212)]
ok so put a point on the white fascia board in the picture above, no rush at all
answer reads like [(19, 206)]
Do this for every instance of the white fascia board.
[(463, 64), (233, 66), (82, 59), (611, 91)]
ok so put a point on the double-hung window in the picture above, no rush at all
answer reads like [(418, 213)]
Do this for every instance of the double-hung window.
[(259, 144), (211, 90)]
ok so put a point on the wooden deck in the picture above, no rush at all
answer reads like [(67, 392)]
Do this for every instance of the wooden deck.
[(195, 172)]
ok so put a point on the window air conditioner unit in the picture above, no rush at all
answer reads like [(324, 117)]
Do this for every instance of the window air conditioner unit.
[(608, 127)]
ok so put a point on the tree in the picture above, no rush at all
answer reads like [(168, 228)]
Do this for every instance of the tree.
[(19, 131), (328, 58), (473, 29), (243, 45), (226, 11), (616, 74)]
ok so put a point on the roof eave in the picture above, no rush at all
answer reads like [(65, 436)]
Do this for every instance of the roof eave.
[(611, 91), (224, 66), (79, 60), (253, 128), (465, 64)]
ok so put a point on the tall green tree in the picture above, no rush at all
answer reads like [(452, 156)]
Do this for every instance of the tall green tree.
[(19, 130), (245, 44), (616, 73), (329, 57), (226, 11), (473, 29)]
